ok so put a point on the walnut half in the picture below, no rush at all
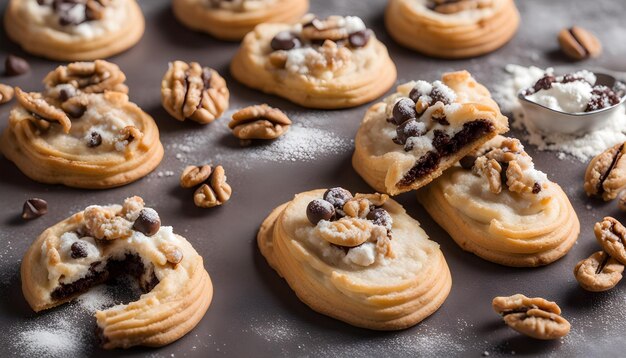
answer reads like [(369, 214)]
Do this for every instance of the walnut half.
[(88, 77), (215, 192), (41, 110), (259, 122), (189, 91)]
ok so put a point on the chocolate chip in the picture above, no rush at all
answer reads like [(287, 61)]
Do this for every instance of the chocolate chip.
[(380, 217), (34, 208), (438, 95), (74, 110), (319, 210), (359, 38), (536, 188), (67, 93), (602, 97), (415, 94), (285, 40), (94, 140), (403, 110), (148, 222), (544, 83), (79, 250), (408, 129), (468, 161), (15, 66), (337, 197)]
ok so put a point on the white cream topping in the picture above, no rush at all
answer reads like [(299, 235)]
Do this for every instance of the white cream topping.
[(571, 97), (115, 16)]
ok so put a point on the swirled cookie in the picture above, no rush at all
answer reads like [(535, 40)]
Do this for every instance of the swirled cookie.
[(76, 30), (102, 242), (411, 137), (82, 131), (233, 19), (358, 259), (452, 28), (318, 63), (498, 206)]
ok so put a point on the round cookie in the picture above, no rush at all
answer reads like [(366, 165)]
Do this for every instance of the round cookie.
[(233, 19), (411, 137), (460, 29), (74, 30), (331, 63), (370, 265), (82, 131), (102, 242), (499, 207)]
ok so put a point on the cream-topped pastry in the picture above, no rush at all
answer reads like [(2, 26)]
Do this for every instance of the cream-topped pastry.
[(102, 242), (359, 259), (82, 131), (411, 137), (74, 30), (318, 63), (498, 206), (452, 28), (233, 19)]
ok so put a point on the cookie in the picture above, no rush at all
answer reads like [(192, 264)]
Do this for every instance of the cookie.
[(233, 19), (82, 131), (410, 138), (318, 63), (496, 205), (79, 30), (452, 29), (102, 242), (342, 256)]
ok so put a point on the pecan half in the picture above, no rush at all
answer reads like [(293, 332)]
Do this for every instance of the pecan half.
[(88, 77), (606, 173), (375, 199), (534, 317), (103, 224), (172, 253), (189, 91), (194, 175), (599, 272), (492, 170), (41, 110), (215, 192), (579, 43), (611, 235), (6, 93), (259, 122), (345, 232), (357, 208)]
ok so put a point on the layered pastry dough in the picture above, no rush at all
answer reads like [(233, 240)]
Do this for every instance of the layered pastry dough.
[(331, 63), (233, 19), (368, 263), (101, 242), (498, 206), (411, 137), (82, 131), (77, 30), (452, 29)]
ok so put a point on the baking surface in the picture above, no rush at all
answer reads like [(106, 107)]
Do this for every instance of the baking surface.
[(254, 312)]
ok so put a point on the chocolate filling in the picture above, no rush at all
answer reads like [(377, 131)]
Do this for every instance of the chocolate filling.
[(445, 146), (131, 265)]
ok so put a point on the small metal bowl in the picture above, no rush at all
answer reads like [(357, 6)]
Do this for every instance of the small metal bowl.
[(548, 120)]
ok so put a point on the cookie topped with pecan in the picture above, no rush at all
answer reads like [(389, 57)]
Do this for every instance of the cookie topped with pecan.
[(103, 242), (339, 252), (82, 131), (74, 30), (332, 62)]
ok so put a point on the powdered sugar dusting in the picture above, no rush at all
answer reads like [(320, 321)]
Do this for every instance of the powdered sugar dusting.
[(581, 148), (301, 143)]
